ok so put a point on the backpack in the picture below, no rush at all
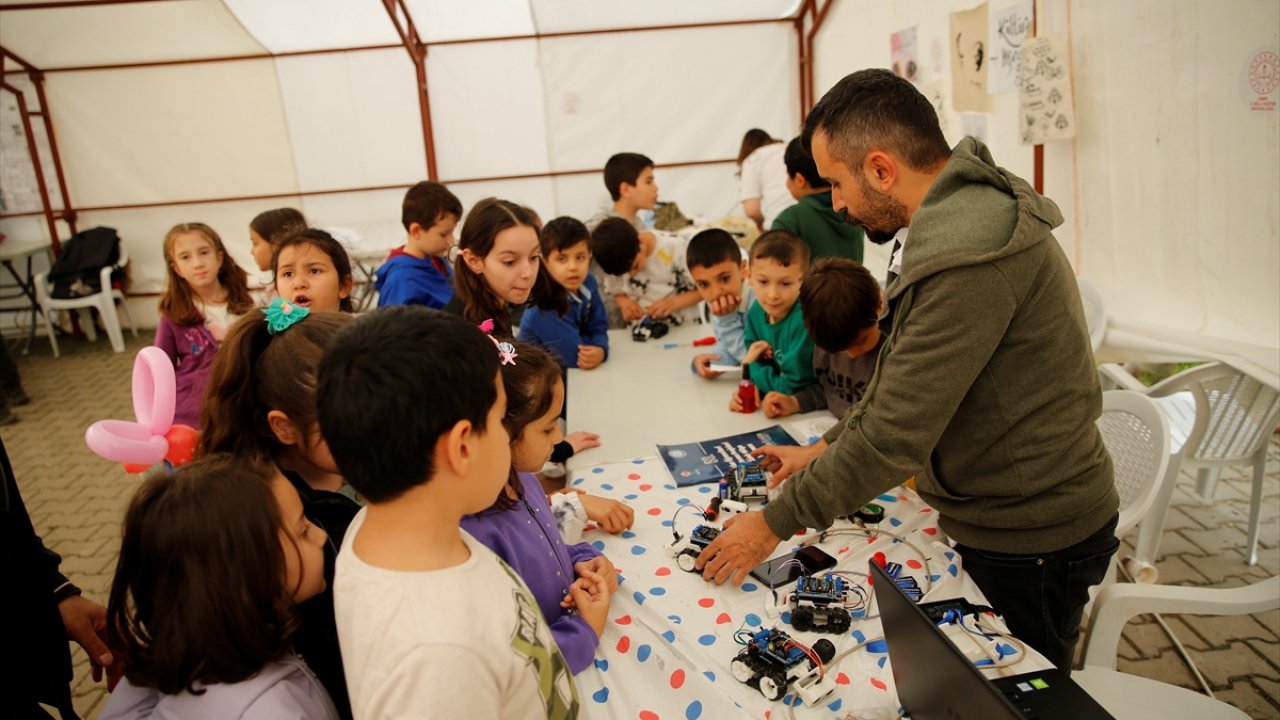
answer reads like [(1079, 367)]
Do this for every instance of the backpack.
[(77, 271)]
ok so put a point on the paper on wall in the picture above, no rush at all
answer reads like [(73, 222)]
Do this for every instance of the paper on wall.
[(1009, 28), (905, 54), (969, 60), (1044, 91)]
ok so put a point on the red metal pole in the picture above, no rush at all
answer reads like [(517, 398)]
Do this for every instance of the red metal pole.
[(418, 54), (1037, 155), (35, 164), (819, 19), (37, 79)]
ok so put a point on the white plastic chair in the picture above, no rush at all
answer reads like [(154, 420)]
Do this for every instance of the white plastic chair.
[(1218, 416), (1130, 696), (104, 301), (1095, 313)]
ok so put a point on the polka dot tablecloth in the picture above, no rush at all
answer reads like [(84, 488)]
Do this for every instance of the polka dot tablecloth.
[(669, 640)]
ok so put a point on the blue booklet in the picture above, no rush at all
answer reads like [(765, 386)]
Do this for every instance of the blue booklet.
[(710, 460)]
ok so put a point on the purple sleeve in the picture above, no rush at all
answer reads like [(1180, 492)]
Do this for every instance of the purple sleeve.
[(166, 340), (576, 640), (582, 551)]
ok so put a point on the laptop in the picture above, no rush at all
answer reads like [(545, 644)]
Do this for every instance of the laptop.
[(937, 682)]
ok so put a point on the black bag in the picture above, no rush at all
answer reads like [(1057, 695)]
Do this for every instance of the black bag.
[(77, 271)]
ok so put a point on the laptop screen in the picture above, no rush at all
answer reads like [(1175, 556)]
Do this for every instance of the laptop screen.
[(934, 679)]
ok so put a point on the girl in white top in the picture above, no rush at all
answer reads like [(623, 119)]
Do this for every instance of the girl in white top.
[(763, 176)]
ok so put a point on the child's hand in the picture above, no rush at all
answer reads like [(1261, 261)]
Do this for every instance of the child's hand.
[(735, 402), (758, 349), (582, 440), (775, 404), (631, 310), (612, 516), (590, 356), (702, 363), (662, 308), (600, 565), (590, 595), (725, 304)]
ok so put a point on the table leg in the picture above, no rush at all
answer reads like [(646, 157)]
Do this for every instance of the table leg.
[(28, 288)]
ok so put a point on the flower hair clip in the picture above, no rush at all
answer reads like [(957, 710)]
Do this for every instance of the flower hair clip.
[(282, 314), (506, 351)]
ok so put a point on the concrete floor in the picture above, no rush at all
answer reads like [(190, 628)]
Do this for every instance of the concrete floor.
[(76, 501)]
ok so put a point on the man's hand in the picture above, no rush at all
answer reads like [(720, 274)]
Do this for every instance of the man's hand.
[(580, 441), (758, 349), (744, 543), (775, 404), (631, 310), (725, 304), (702, 365), (612, 516), (784, 460), (590, 356), (86, 623), (601, 566)]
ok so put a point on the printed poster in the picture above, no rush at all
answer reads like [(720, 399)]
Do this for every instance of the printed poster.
[(936, 93), (905, 54), (710, 460), (969, 60), (1010, 27), (1044, 91)]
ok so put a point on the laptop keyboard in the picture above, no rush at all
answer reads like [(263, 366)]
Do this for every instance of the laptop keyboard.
[(1019, 700)]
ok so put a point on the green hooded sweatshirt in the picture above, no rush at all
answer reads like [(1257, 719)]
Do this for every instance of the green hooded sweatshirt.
[(824, 230), (985, 389)]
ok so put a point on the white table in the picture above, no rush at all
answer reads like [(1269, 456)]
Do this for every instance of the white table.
[(11, 250), (647, 393)]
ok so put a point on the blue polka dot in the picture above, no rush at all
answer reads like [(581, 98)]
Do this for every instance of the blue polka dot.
[(707, 640), (955, 571), (683, 501), (675, 619), (598, 544), (935, 578), (949, 555), (642, 652), (878, 646), (602, 664), (835, 706), (631, 496), (621, 578), (786, 618), (669, 636), (752, 620), (578, 481), (657, 590), (639, 597), (895, 522), (983, 661), (597, 470), (694, 711), (601, 695), (606, 486), (704, 489), (710, 675), (749, 587), (856, 614), (789, 699), (639, 549), (638, 461), (882, 661), (627, 534), (857, 635), (668, 486), (888, 498), (1003, 650)]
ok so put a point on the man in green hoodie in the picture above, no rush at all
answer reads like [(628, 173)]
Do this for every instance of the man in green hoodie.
[(985, 388), (824, 230)]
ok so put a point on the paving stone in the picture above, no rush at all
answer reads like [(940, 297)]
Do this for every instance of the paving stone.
[(1216, 540), (1149, 639), (1223, 666), (1167, 667), (1175, 570), (1175, 542), (1271, 690), (1216, 515), (1218, 567), (1245, 695), (1220, 631)]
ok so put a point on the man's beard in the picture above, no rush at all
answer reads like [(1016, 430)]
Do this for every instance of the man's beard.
[(884, 215)]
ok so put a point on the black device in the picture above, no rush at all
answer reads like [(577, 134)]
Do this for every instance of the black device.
[(647, 328), (812, 561), (936, 681)]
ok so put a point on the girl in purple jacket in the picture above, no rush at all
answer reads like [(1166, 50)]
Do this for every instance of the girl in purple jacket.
[(521, 526), (207, 292)]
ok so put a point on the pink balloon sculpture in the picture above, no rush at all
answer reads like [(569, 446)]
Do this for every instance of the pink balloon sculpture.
[(146, 442)]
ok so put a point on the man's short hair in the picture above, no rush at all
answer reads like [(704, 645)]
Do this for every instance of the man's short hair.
[(784, 247), (614, 245), (840, 300), (562, 233), (877, 110), (624, 168), (391, 383), (712, 247), (427, 203), (800, 162)]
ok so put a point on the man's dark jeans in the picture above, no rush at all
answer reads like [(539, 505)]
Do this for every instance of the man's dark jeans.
[(1042, 597)]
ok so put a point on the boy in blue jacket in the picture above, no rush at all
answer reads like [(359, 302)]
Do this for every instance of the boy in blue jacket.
[(417, 273), (569, 320)]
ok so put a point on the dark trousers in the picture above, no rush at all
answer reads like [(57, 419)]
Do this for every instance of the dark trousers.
[(1042, 597), (10, 381)]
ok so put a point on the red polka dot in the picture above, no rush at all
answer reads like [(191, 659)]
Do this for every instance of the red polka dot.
[(677, 679), (646, 487), (633, 476), (624, 644), (624, 620), (879, 559), (842, 679), (723, 618), (655, 511), (707, 602), (926, 510), (902, 497), (914, 564), (843, 550), (662, 571), (931, 531), (878, 683), (647, 715), (799, 533), (872, 539)]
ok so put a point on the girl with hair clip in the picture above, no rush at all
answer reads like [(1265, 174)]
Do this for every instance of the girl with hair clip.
[(269, 227), (261, 404), (214, 560), (206, 293), (312, 270), (521, 526)]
